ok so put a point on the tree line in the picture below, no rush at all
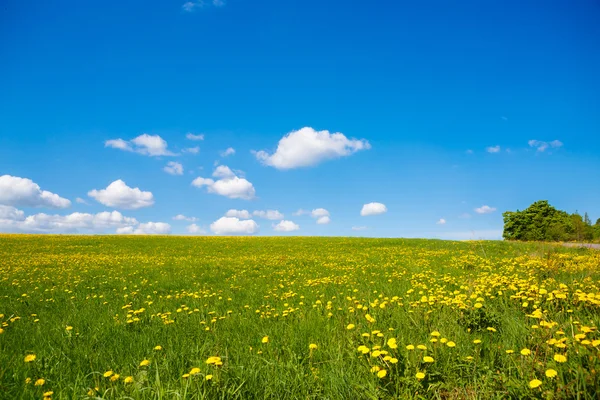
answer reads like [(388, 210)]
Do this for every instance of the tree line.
[(542, 222)]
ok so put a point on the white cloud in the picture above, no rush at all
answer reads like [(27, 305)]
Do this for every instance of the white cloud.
[(119, 195), (269, 214), (191, 150), (148, 228), (195, 230), (441, 221), (307, 147), (285, 226), (181, 217), (228, 152), (493, 149), (81, 201), (223, 171), (243, 214), (173, 168), (233, 226), (14, 220), (373, 209), (323, 220), (543, 146), (230, 185), (485, 209), (319, 212), (148, 145), (359, 228), (191, 136), (23, 192)]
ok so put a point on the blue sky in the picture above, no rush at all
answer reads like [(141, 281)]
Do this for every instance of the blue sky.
[(422, 93)]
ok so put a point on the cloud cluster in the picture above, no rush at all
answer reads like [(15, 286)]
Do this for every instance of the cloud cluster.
[(373, 209), (148, 145), (307, 147), (191, 136), (233, 226), (320, 214), (228, 152), (229, 185), (493, 149), (148, 228), (173, 168), (119, 195), (543, 146), (23, 192), (181, 217), (286, 226), (268, 214), (441, 221), (195, 230)]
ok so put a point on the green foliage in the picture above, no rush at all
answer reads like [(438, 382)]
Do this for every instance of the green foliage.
[(542, 222)]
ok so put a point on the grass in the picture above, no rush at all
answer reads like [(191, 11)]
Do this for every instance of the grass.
[(90, 305)]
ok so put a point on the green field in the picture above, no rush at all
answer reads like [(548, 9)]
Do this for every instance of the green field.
[(236, 318)]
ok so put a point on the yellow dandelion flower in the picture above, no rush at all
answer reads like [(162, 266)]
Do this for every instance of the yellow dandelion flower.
[(185, 376), (420, 375), (535, 383), (428, 359), (551, 373), (478, 305), (69, 328), (194, 371), (158, 348), (312, 346), (145, 363), (208, 377), (375, 369), (48, 393), (394, 360), (114, 378), (350, 327), (128, 379), (477, 341), (410, 347), (435, 334), (509, 351), (265, 339), (422, 347), (27, 381), (29, 358), (392, 343), (451, 344), (489, 328), (559, 358), (40, 382), (382, 373), (525, 352), (107, 374), (363, 349)]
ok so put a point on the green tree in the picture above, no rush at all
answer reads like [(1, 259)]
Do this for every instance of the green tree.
[(540, 221)]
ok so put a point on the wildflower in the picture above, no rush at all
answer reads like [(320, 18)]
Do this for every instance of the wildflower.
[(40, 382), (489, 328), (369, 318), (392, 343), (29, 358), (382, 373), (551, 373), (158, 348), (394, 360), (420, 375), (410, 347), (265, 339), (69, 328), (128, 379), (27, 381), (208, 377), (595, 343), (451, 344), (107, 374), (422, 347), (194, 371), (509, 351), (48, 393), (363, 349), (535, 383), (214, 360), (350, 327), (312, 346), (145, 363), (478, 305), (560, 358), (428, 359), (185, 376), (525, 352), (375, 369), (435, 334), (376, 353), (114, 378)]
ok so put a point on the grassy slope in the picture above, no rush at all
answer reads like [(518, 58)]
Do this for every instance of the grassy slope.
[(296, 291)]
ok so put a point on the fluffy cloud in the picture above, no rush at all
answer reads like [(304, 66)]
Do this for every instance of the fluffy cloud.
[(191, 136), (23, 192), (493, 149), (174, 168), (229, 152), (148, 145), (14, 220), (307, 147), (243, 214), (268, 214), (485, 210), (441, 221), (181, 217), (119, 195), (233, 226), (323, 220), (195, 230), (373, 209), (543, 146), (285, 226), (319, 212), (148, 228), (229, 185)]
